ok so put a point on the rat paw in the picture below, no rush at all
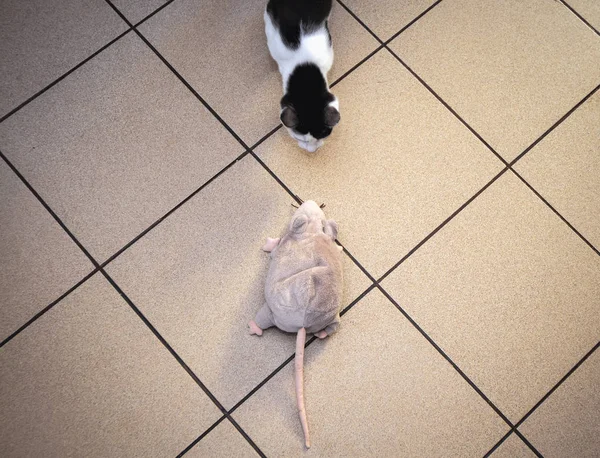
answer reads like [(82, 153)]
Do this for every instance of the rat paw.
[(254, 329), (271, 244), (321, 334)]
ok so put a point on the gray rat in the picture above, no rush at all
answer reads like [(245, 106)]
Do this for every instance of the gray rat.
[(303, 290)]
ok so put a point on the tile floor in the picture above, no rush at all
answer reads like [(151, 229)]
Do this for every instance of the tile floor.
[(143, 166)]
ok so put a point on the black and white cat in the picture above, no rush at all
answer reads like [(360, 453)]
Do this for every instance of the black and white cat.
[(299, 41)]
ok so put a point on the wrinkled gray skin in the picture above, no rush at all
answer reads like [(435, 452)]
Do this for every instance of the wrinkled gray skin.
[(304, 283)]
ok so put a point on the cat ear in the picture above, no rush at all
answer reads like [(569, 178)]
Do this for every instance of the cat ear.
[(298, 224), (332, 116), (288, 117)]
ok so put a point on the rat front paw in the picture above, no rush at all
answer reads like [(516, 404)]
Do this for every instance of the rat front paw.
[(254, 329)]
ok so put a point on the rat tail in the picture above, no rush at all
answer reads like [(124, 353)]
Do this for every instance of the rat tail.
[(299, 363)]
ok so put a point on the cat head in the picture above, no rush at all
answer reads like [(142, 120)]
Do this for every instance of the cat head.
[(308, 110)]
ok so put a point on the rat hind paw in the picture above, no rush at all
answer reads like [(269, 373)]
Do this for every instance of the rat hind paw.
[(321, 334), (254, 329), (271, 244)]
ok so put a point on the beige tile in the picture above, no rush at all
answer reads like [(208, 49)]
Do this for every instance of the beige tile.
[(564, 168), (511, 69), (42, 39), (568, 422), (90, 379), (232, 70), (387, 17), (38, 260), (199, 277), (588, 9), (224, 440), (377, 388), (508, 291), (136, 10), (513, 447), (397, 165), (116, 145)]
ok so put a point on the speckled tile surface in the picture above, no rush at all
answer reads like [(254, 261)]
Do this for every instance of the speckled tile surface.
[(133, 216)]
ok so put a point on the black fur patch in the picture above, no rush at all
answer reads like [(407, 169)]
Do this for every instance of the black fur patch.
[(293, 16), (307, 94)]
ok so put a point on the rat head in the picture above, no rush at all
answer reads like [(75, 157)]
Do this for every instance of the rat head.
[(309, 219), (308, 110)]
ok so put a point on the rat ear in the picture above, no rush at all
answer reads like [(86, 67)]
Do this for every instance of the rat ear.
[(332, 116), (289, 117), (298, 224), (331, 229)]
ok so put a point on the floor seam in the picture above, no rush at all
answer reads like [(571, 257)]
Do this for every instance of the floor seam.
[(62, 77), (250, 151), (580, 17)]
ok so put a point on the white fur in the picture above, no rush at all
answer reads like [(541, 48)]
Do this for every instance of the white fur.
[(314, 48)]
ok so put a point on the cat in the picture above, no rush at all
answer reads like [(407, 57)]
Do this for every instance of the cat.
[(299, 41)]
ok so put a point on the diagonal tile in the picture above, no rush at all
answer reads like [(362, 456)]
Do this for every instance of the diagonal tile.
[(377, 388), (199, 277), (397, 165), (224, 440), (511, 69), (116, 145), (136, 10), (90, 379), (564, 168), (513, 447), (588, 9), (42, 39), (508, 291), (233, 71), (387, 17), (38, 260), (568, 422)]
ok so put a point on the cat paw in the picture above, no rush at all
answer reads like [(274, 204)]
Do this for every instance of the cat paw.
[(321, 334), (254, 329)]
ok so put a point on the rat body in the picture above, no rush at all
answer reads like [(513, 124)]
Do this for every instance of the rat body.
[(303, 290)]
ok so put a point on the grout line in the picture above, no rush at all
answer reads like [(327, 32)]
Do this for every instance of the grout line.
[(156, 333), (160, 8), (581, 18), (178, 358), (201, 436), (556, 212), (448, 107), (357, 19), (172, 210), (180, 77), (226, 414), (281, 183), (446, 221), (353, 68), (49, 210), (60, 78), (529, 444), (162, 340), (543, 399), (393, 37), (246, 436), (499, 443), (446, 357), (291, 357), (558, 384), (555, 125), (48, 307), (481, 139)]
